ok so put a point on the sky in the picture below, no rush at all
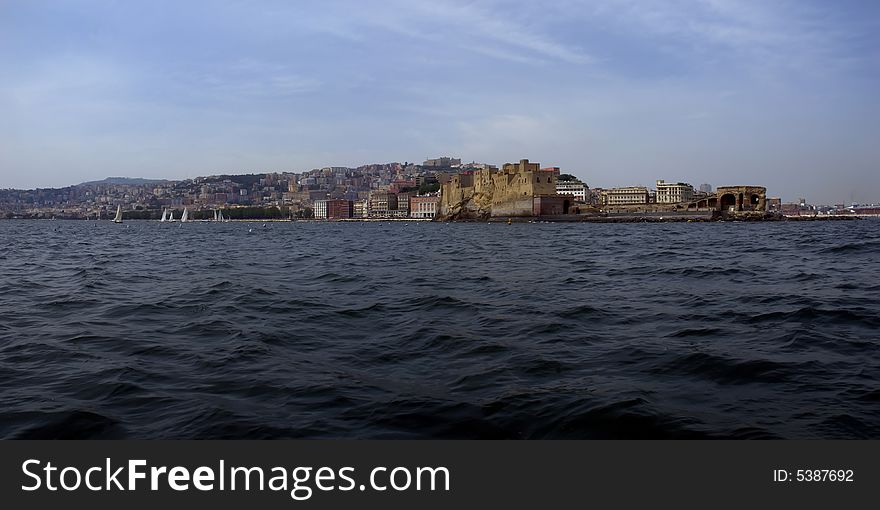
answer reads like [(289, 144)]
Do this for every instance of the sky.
[(779, 93)]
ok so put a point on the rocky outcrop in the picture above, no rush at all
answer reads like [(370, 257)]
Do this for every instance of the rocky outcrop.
[(470, 206)]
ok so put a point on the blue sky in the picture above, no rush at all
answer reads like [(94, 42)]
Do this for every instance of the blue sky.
[(618, 92)]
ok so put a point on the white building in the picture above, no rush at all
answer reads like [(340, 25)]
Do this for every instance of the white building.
[(424, 206), (320, 209), (580, 190), (632, 195), (360, 208), (674, 192)]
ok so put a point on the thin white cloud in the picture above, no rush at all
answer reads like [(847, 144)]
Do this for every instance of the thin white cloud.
[(767, 34), (483, 30)]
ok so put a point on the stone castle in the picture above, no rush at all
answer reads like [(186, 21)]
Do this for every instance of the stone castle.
[(489, 192)]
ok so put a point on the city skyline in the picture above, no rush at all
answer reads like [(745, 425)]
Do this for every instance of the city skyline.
[(616, 92), (128, 180)]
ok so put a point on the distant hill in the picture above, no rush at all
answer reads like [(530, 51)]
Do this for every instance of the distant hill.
[(130, 181)]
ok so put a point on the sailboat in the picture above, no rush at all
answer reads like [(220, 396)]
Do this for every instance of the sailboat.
[(118, 218), (164, 215), (185, 216), (220, 216), (171, 216)]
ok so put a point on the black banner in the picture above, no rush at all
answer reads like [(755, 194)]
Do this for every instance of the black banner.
[(438, 474)]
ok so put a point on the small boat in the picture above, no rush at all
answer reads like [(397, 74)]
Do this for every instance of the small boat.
[(118, 218), (185, 217), (171, 216), (164, 215)]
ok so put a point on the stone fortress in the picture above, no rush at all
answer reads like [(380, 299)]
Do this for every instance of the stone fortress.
[(525, 190), (488, 192)]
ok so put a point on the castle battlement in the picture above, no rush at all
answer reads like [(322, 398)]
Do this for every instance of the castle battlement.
[(487, 193)]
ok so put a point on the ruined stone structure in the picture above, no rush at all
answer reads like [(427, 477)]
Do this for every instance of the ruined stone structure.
[(741, 199), (486, 193)]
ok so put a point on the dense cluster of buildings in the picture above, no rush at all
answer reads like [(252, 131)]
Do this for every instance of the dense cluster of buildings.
[(802, 208), (439, 188), (391, 190)]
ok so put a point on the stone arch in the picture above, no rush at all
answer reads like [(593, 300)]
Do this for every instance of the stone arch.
[(727, 201), (741, 198)]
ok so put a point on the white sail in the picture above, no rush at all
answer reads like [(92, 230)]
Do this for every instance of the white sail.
[(118, 218), (185, 215), (164, 215), (220, 216), (171, 216)]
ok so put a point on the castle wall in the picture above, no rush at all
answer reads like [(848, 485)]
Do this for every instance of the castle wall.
[(514, 207), (508, 192)]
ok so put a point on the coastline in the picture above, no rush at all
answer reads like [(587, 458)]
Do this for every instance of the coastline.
[(513, 219), (663, 219)]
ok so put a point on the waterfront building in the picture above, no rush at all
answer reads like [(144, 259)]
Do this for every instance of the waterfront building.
[(576, 188), (320, 209), (383, 204), (674, 192), (360, 208), (631, 195), (339, 209), (424, 206), (403, 204)]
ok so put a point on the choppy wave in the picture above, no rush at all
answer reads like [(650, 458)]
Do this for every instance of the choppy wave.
[(357, 330)]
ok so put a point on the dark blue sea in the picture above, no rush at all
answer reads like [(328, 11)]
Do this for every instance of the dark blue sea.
[(434, 330)]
